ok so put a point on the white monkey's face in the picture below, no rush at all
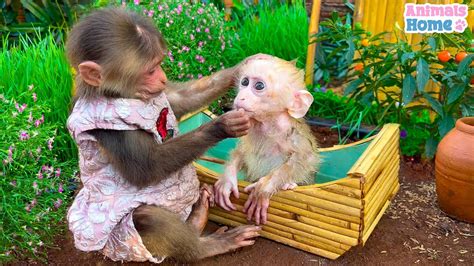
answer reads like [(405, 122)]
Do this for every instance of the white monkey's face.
[(263, 91)]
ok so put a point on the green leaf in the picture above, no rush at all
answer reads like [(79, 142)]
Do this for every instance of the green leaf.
[(435, 104), (353, 86), (465, 63), (430, 147), (445, 124), (408, 90), (407, 56), (432, 43), (36, 10), (351, 51), (423, 74), (455, 92)]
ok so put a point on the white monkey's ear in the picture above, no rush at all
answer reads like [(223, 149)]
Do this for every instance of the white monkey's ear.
[(90, 73), (301, 103), (294, 61)]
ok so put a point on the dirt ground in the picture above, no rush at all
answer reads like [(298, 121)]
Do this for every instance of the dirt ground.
[(413, 231)]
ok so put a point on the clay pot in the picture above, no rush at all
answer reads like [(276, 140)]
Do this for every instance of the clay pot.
[(454, 168)]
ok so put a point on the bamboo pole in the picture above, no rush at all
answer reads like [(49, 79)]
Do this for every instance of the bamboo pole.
[(295, 227), (369, 157), (291, 212), (375, 208), (389, 178), (339, 147), (386, 159), (332, 228), (381, 180), (313, 29), (370, 229), (348, 191), (381, 16), (335, 197), (334, 236), (365, 14), (212, 159), (320, 203), (391, 149), (320, 245)]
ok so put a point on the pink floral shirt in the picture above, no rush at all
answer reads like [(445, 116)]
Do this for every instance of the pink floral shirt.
[(101, 215)]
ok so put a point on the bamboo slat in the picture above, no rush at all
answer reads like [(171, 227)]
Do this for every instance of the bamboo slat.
[(271, 226), (332, 228), (348, 191), (318, 244), (371, 228), (372, 213), (391, 150), (384, 176), (380, 192), (337, 237), (313, 29), (335, 197), (392, 158), (320, 203)]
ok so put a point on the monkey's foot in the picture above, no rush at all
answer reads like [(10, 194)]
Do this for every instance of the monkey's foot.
[(198, 217), (224, 240), (289, 186)]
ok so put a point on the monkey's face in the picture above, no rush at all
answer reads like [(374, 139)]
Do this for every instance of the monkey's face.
[(272, 87), (153, 80)]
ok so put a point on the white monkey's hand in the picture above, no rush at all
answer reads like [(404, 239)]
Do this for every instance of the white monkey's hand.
[(222, 189), (257, 204)]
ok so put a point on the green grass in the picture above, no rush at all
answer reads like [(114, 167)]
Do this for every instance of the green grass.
[(281, 31), (41, 63)]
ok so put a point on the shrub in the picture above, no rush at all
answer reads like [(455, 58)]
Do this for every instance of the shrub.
[(194, 33), (35, 183), (43, 63), (281, 31)]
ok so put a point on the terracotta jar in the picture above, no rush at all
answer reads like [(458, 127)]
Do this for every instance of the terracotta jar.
[(454, 166)]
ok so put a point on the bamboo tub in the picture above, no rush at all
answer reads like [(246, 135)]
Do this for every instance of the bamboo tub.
[(357, 183)]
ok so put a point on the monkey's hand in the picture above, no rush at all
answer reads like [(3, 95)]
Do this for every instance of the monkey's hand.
[(222, 189), (257, 203), (233, 124)]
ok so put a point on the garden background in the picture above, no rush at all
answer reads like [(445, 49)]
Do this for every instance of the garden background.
[(361, 81)]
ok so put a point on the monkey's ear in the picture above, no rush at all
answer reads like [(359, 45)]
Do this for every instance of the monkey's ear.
[(294, 61), (90, 73), (301, 103)]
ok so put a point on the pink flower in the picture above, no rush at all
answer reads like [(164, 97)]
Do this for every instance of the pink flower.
[(151, 12), (198, 29), (160, 8), (58, 203), (20, 108), (50, 143), (206, 30), (199, 76), (200, 11), (192, 37), (185, 48), (34, 97), (180, 64), (40, 175), (24, 135), (60, 189), (200, 44), (136, 2), (170, 55), (13, 183), (38, 150), (35, 185), (30, 118), (58, 172), (179, 9)]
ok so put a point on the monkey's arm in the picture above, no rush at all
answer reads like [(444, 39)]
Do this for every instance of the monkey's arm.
[(189, 96), (227, 183), (142, 161)]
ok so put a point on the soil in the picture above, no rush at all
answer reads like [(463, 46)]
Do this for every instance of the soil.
[(412, 231)]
